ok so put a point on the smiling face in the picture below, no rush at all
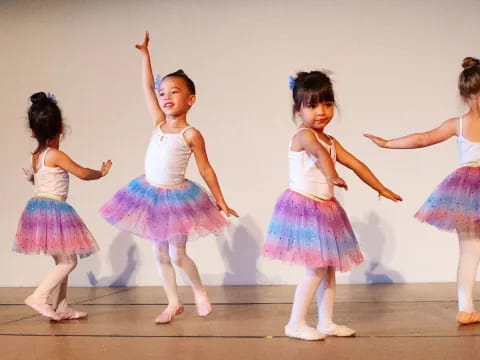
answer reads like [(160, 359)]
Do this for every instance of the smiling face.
[(317, 116), (174, 96)]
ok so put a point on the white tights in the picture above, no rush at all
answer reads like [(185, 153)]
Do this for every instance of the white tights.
[(54, 285), (178, 253), (322, 282), (469, 258)]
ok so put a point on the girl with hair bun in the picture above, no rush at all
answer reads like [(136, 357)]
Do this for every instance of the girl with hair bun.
[(309, 227), (455, 204), (48, 224)]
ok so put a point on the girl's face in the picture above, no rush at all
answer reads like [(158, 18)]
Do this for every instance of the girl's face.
[(174, 97), (317, 116)]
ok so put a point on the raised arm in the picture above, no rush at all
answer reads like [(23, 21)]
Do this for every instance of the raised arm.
[(419, 140), (363, 172), (195, 140), (60, 159), (308, 141), (148, 83)]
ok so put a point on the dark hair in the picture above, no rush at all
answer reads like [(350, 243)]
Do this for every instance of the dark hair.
[(469, 79), (180, 74), (311, 88), (44, 118)]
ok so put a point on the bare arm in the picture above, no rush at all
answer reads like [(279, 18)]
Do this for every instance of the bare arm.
[(195, 140), (308, 141), (148, 83), (363, 172), (60, 159), (419, 140)]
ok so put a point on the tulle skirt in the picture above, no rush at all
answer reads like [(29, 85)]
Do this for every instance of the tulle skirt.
[(455, 204), (163, 214), (313, 233), (52, 227)]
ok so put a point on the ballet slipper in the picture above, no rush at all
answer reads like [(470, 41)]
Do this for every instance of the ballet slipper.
[(303, 332), (42, 308), (337, 330), (168, 314), (464, 317), (71, 314), (204, 307)]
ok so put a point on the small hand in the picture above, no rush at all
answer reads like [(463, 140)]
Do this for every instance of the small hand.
[(224, 207), (377, 140), (28, 174), (338, 181), (143, 47), (106, 165), (389, 194)]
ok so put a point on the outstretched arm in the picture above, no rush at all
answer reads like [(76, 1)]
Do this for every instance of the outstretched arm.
[(148, 83), (363, 172), (195, 140), (60, 159), (419, 140)]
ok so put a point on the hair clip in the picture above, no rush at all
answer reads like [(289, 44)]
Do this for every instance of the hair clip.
[(291, 82), (158, 81), (51, 97)]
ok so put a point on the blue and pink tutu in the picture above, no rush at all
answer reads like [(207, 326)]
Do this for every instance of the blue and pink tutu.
[(313, 233), (163, 214), (52, 227), (455, 204)]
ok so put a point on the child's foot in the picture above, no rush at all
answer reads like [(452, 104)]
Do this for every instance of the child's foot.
[(68, 313), (42, 308), (337, 330), (204, 307), (168, 314), (303, 332), (464, 317)]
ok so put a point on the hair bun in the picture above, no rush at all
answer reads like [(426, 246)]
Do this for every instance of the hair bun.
[(39, 98), (469, 62)]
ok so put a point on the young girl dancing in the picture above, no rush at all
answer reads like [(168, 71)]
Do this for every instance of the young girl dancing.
[(454, 205), (308, 226), (48, 224), (162, 205)]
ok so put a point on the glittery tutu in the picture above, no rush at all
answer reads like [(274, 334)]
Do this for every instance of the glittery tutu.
[(313, 233), (455, 204), (163, 214), (52, 227)]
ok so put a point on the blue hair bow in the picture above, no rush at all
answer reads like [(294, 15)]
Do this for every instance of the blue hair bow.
[(158, 81), (51, 97), (291, 82)]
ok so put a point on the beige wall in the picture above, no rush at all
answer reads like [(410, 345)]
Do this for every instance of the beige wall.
[(395, 65)]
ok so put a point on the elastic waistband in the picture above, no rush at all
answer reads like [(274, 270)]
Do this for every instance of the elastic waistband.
[(310, 196), (161, 186), (51, 196), (472, 164)]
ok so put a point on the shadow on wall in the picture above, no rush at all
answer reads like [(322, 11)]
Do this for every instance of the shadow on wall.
[(377, 243), (240, 250), (123, 257)]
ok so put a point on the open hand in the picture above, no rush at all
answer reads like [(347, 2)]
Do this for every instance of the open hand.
[(377, 140), (224, 207), (106, 165), (338, 181), (389, 194), (143, 47)]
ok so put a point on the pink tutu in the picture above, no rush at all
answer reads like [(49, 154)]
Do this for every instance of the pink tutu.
[(314, 233), (52, 227), (455, 204), (161, 214)]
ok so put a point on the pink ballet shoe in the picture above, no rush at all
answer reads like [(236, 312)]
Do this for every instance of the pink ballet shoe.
[(204, 307), (168, 314), (68, 313), (465, 318), (42, 308)]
